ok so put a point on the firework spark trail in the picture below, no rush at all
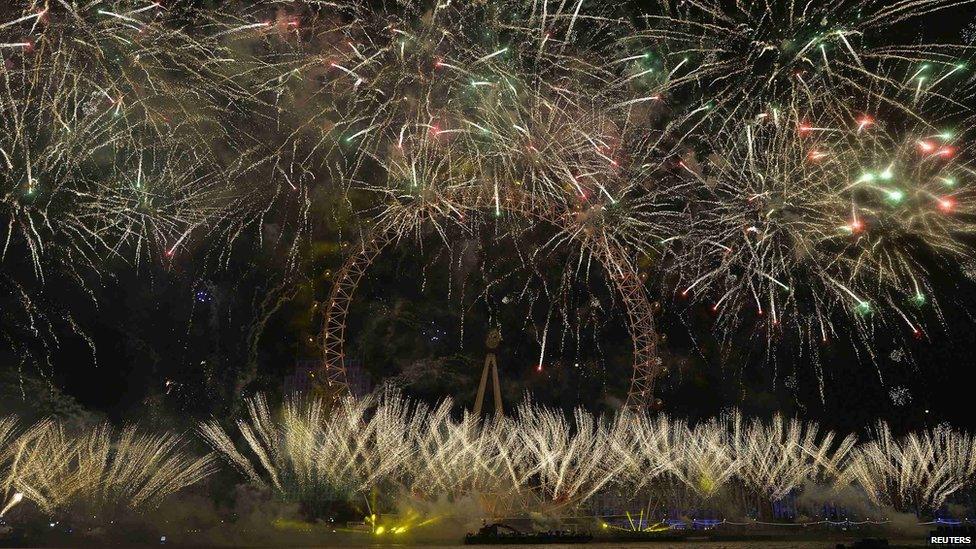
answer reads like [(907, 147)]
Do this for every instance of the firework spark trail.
[(539, 460), (705, 462), (778, 457), (643, 446), (457, 125), (16, 498), (134, 132), (100, 471), (570, 463), (805, 228), (918, 471), (9, 432), (15, 441), (456, 458), (749, 58), (310, 451), (102, 155)]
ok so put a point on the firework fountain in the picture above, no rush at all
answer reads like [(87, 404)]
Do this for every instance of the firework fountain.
[(540, 461)]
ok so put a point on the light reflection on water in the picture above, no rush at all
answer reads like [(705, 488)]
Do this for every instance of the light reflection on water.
[(691, 544)]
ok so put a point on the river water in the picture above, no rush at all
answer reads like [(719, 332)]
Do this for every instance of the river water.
[(825, 544)]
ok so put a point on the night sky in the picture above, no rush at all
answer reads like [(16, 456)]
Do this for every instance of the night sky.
[(166, 341)]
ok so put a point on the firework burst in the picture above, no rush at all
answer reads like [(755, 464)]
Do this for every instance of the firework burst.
[(825, 225), (830, 165), (739, 60)]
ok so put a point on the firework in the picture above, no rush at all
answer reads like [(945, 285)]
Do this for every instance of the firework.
[(568, 462), (440, 126), (8, 432), (101, 471), (103, 153), (741, 60), (916, 472), (312, 453), (645, 449), (96, 114), (802, 162), (541, 460), (14, 500), (705, 462), (825, 225), (778, 457), (14, 443), (457, 458)]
